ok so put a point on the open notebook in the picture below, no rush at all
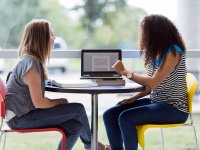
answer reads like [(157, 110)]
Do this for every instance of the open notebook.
[(72, 85)]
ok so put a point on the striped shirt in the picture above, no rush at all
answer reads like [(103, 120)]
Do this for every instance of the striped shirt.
[(173, 89)]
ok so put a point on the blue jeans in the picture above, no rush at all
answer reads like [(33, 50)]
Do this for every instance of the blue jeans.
[(70, 117), (121, 121)]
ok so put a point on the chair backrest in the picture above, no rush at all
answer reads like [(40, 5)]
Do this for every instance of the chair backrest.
[(192, 85), (2, 98)]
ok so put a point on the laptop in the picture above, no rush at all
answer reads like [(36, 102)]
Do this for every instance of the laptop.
[(97, 63)]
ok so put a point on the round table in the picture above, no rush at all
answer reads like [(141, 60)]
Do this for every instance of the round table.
[(94, 91)]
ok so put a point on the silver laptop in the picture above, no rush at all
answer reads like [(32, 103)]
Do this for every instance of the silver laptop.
[(97, 63)]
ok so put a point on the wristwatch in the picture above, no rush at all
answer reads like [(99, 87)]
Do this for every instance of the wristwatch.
[(129, 75)]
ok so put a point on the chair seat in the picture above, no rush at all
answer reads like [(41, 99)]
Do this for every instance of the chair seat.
[(6, 128), (142, 128)]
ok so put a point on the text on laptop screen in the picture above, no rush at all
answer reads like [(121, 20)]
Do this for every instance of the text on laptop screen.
[(99, 62)]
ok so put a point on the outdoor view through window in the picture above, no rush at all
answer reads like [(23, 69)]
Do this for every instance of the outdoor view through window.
[(95, 24)]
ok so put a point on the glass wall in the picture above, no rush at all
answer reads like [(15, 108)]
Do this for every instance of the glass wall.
[(94, 24), (82, 24)]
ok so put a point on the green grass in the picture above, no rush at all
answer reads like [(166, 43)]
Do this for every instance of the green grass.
[(180, 138)]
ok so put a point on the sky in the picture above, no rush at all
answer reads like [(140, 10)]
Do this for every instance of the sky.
[(164, 7)]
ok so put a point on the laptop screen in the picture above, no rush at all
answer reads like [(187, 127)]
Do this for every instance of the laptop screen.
[(99, 62)]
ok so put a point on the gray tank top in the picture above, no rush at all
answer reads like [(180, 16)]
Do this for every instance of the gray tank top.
[(18, 99)]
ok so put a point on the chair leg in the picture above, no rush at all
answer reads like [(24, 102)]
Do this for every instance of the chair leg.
[(1, 136), (195, 134), (4, 143), (4, 139), (163, 144)]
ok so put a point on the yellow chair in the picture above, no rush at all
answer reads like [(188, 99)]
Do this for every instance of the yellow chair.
[(192, 85)]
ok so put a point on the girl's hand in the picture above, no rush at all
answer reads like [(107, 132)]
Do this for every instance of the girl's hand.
[(119, 67), (63, 101), (127, 101)]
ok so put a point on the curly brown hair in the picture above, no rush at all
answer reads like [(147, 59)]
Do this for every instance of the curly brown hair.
[(158, 33)]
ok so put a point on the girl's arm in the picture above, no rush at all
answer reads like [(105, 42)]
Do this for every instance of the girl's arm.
[(33, 80), (136, 96), (161, 74)]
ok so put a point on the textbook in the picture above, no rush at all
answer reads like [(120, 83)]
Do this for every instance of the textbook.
[(110, 82)]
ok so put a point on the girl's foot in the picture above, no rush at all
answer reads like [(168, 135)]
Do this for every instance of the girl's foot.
[(107, 147), (102, 147)]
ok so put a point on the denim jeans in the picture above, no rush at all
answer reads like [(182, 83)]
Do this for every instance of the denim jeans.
[(71, 117), (121, 121)]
